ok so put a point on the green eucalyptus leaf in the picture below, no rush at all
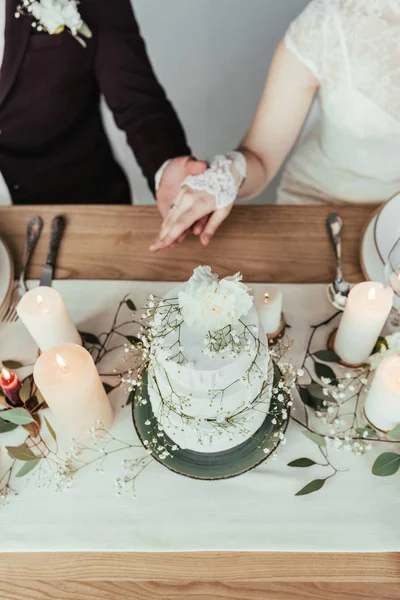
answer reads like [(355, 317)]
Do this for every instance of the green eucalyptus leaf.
[(386, 464), (322, 370), (317, 391), (311, 487), (131, 305), (90, 338), (22, 452), (109, 388), (5, 427), (27, 467), (302, 462), (131, 397), (26, 389), (327, 356), (132, 339), (370, 432), (19, 416), (40, 398), (315, 403), (395, 433), (316, 438), (381, 345), (12, 364), (51, 430)]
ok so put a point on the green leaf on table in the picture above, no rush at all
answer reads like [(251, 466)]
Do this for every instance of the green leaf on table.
[(108, 388), (22, 452), (317, 391), (131, 397), (12, 364), (309, 400), (367, 432), (322, 370), (327, 356), (5, 427), (131, 305), (132, 339), (381, 345), (19, 416), (386, 464), (316, 438), (26, 389), (27, 467), (311, 487), (51, 430), (302, 462), (395, 433), (90, 338)]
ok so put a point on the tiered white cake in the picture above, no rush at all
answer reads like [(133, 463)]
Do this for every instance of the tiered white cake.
[(209, 364)]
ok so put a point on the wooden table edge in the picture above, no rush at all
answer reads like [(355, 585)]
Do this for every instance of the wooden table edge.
[(203, 566)]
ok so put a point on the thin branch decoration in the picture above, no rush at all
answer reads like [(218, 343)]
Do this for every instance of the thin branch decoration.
[(332, 410)]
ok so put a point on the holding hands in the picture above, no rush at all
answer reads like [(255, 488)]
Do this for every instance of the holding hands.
[(203, 201)]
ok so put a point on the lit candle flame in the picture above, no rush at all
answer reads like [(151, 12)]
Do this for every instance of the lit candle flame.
[(6, 374), (61, 362), (39, 299), (266, 298), (372, 294)]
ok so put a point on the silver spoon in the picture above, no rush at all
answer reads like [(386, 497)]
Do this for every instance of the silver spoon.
[(339, 289)]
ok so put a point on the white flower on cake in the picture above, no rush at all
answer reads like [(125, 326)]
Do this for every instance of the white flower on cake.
[(393, 347), (212, 304)]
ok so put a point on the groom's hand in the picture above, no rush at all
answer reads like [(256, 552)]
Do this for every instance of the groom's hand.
[(176, 171)]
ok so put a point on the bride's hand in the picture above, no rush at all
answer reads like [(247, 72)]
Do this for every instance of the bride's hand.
[(189, 207)]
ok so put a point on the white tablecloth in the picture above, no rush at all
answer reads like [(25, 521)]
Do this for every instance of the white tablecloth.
[(355, 511)]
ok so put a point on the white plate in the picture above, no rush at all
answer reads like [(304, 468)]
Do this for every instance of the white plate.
[(6, 277), (371, 263), (387, 227)]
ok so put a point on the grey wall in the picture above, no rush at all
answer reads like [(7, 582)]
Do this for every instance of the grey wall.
[(212, 56)]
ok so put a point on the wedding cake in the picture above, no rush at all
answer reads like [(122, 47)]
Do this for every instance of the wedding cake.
[(208, 364)]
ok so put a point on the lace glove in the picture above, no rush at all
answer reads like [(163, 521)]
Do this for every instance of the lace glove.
[(222, 179)]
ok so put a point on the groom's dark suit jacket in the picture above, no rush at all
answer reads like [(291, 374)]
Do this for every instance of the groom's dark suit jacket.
[(53, 147)]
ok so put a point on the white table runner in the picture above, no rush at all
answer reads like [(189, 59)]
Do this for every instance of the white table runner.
[(354, 512)]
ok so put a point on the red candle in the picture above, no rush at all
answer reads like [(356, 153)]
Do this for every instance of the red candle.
[(11, 385)]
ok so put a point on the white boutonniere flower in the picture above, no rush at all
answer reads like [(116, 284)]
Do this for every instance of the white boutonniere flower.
[(54, 16)]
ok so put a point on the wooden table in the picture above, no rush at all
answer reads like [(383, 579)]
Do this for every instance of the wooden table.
[(282, 244)]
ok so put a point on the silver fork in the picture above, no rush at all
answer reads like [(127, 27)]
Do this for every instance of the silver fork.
[(33, 231)]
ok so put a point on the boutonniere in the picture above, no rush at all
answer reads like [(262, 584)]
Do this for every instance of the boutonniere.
[(54, 16)]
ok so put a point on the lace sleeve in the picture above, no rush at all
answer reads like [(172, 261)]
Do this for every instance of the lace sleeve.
[(306, 34)]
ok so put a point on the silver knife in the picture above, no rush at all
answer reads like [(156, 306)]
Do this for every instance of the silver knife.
[(57, 229)]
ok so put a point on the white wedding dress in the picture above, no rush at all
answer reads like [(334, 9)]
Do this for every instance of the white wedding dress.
[(352, 153)]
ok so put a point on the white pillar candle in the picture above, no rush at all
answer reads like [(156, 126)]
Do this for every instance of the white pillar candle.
[(367, 308), (382, 405), (42, 311), (269, 306), (69, 382)]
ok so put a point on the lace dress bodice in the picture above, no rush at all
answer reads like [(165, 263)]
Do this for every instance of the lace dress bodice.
[(353, 48)]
